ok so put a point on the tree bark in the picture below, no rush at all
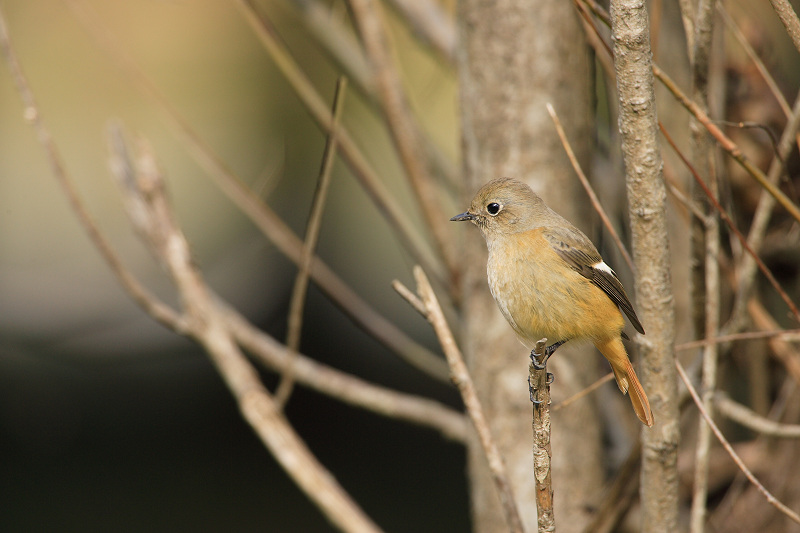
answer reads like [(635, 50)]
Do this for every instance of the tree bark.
[(647, 203), (513, 59)]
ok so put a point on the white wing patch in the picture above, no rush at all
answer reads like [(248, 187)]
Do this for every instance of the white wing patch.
[(604, 267)]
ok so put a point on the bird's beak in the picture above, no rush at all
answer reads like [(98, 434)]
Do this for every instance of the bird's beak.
[(466, 215)]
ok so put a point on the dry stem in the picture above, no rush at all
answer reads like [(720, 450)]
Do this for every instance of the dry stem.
[(403, 128), (754, 421), (746, 471), (263, 217), (428, 304), (297, 303), (542, 450), (588, 187)]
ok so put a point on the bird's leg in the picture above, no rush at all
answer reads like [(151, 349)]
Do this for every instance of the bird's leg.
[(539, 364)]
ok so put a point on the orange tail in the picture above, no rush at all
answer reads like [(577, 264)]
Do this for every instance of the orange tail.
[(614, 351)]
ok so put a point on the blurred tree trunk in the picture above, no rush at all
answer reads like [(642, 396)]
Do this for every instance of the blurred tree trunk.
[(515, 56)]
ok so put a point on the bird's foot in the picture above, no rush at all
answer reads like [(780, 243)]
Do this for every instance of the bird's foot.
[(534, 401), (539, 361)]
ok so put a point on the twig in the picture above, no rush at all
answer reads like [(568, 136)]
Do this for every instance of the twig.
[(789, 19), (727, 144), (403, 127), (705, 251), (724, 141), (588, 187), (786, 353), (585, 392), (369, 179), (758, 225), (752, 420), (542, 450), (748, 49), (266, 220), (297, 302), (460, 376), (336, 40), (750, 335), (345, 387), (725, 444), (724, 215), (206, 325)]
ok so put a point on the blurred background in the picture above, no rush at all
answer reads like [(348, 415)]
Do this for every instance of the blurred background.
[(110, 422), (107, 420)]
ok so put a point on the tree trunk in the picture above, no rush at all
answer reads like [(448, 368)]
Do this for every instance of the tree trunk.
[(515, 56)]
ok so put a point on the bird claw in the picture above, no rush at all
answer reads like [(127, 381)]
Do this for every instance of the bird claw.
[(540, 361)]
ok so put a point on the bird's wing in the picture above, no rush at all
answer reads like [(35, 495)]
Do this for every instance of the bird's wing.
[(580, 254)]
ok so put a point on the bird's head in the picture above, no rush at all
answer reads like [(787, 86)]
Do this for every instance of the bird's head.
[(503, 206)]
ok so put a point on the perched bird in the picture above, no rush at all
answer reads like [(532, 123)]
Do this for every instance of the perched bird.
[(550, 282)]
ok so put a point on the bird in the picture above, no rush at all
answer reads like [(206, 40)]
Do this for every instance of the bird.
[(549, 280)]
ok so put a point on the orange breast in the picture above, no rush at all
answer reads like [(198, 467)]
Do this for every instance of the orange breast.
[(541, 296)]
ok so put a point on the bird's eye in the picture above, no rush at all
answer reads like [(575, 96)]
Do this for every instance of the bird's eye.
[(493, 208)]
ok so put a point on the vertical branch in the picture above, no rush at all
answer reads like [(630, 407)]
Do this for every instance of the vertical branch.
[(705, 252), (300, 288), (542, 450), (647, 204)]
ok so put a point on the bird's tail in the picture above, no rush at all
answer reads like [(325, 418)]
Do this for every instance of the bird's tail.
[(614, 351)]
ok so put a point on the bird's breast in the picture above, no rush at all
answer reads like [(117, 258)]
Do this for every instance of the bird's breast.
[(539, 294)]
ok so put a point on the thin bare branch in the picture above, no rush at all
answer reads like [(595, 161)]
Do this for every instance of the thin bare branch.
[(724, 141), (403, 127), (411, 298), (585, 392), (784, 351), (588, 187), (731, 226), (705, 251), (750, 335), (727, 144), (298, 298), (345, 387), (336, 40), (725, 444), (265, 219), (752, 420), (788, 17), (460, 376), (368, 178), (758, 226), (748, 49), (207, 325)]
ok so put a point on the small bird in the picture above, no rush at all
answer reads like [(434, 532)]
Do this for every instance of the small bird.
[(549, 280)]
